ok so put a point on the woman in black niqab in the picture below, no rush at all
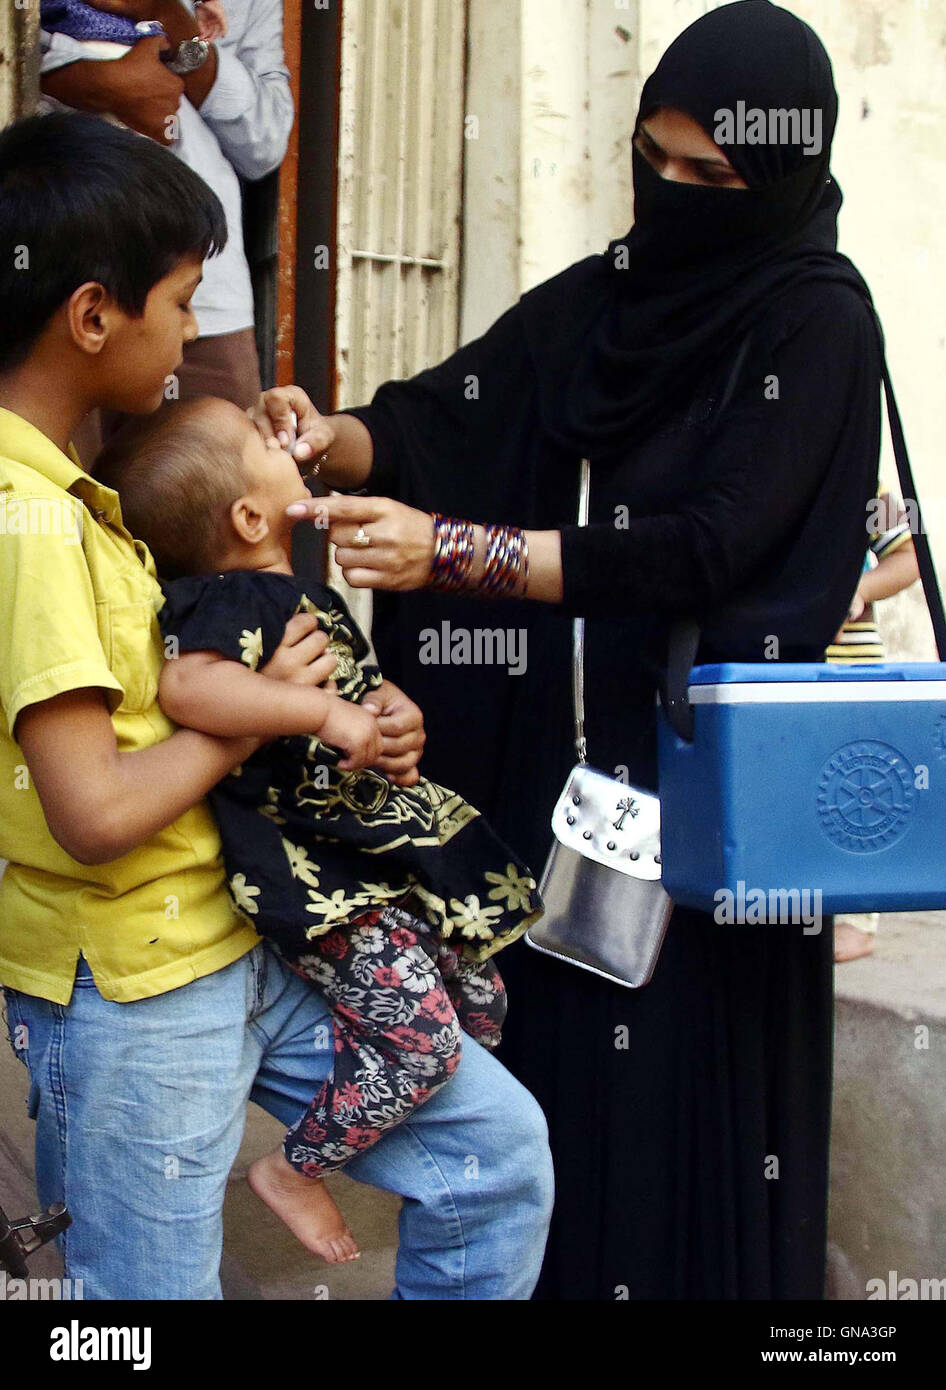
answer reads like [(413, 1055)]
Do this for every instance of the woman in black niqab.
[(720, 367), (618, 339)]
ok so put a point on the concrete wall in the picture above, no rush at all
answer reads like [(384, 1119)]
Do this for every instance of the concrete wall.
[(556, 87), (19, 58)]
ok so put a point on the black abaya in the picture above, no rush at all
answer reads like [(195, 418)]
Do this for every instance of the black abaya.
[(730, 476), (666, 1105)]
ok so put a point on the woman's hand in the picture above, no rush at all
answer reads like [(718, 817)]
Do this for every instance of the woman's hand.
[(401, 549), (301, 656), (401, 725), (272, 415)]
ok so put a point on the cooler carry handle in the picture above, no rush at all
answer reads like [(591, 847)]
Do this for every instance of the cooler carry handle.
[(684, 638)]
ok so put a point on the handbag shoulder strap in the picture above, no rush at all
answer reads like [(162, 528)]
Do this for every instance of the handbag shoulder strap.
[(921, 543), (685, 633), (578, 629)]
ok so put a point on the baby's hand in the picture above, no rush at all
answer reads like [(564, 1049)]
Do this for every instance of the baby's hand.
[(355, 731), (301, 656), (211, 20)]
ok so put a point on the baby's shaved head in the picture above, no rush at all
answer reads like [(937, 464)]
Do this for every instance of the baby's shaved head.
[(177, 474)]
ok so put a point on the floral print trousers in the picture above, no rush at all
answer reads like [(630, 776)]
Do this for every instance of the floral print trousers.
[(399, 997)]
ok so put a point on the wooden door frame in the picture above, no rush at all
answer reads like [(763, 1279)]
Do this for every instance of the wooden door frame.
[(308, 201)]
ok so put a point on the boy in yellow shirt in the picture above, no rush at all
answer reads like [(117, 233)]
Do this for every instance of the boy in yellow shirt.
[(145, 1009)]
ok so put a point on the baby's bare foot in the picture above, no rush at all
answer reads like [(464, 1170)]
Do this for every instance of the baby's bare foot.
[(306, 1207)]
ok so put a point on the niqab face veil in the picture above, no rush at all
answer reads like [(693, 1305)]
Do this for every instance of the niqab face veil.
[(700, 265)]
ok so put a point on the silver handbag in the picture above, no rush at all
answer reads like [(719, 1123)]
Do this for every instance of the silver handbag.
[(606, 909)]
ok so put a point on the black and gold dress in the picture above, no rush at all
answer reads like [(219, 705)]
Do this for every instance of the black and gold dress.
[(308, 846)]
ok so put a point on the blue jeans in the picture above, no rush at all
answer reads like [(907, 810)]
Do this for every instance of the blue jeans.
[(140, 1110)]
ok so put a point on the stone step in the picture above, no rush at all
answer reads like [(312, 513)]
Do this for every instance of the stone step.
[(888, 1173)]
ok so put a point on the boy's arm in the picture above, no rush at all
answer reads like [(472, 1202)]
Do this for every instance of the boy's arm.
[(100, 803)]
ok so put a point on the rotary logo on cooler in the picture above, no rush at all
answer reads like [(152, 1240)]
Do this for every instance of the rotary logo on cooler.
[(865, 796)]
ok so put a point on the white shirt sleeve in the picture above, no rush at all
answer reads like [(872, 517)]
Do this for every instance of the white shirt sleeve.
[(59, 49), (249, 108)]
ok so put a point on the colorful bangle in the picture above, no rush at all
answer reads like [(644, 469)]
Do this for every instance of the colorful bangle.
[(507, 562), (453, 554), (506, 567)]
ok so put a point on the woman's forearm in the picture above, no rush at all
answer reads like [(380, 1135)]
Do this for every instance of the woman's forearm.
[(350, 456), (544, 580), (383, 544)]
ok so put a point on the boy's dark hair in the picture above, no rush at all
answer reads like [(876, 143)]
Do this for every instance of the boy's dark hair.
[(177, 473), (82, 199)]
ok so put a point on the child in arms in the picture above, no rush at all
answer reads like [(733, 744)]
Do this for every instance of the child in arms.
[(387, 891)]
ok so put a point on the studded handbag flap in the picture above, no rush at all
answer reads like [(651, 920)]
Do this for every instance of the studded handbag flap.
[(607, 821)]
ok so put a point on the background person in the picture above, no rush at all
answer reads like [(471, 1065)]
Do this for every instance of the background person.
[(234, 114), (858, 642)]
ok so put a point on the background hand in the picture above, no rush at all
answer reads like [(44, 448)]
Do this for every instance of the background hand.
[(857, 607), (137, 89)]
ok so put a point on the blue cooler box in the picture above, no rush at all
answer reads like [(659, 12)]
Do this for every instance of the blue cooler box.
[(808, 777)]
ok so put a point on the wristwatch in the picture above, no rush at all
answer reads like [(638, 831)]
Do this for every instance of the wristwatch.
[(189, 55)]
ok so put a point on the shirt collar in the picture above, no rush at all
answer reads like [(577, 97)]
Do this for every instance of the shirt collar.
[(26, 444)]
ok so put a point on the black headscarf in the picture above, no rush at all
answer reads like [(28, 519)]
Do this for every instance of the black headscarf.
[(619, 340)]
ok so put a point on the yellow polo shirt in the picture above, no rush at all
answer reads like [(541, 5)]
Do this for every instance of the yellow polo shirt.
[(78, 608)]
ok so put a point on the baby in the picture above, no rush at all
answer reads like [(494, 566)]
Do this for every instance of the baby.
[(388, 892)]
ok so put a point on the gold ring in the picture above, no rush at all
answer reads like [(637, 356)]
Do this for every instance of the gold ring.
[(361, 538)]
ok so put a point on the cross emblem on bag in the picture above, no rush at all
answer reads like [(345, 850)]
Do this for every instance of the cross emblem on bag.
[(627, 805)]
